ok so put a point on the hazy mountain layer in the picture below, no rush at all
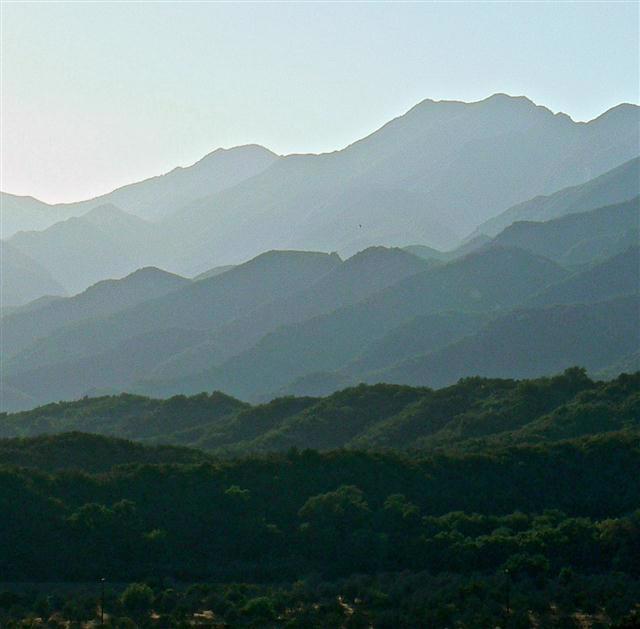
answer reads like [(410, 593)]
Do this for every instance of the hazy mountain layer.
[(309, 323), (362, 275), (618, 275), (428, 176), (615, 186), (22, 213), (82, 349), (530, 343), (150, 199), (579, 238), (487, 281), (23, 279), (102, 244), (22, 328)]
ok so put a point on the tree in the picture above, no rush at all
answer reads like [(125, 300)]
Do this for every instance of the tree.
[(333, 519), (137, 599)]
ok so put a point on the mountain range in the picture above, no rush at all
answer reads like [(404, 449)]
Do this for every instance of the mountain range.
[(149, 199), (490, 239), (431, 177), (309, 323)]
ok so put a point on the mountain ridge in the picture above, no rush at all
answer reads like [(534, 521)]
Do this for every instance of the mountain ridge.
[(429, 175)]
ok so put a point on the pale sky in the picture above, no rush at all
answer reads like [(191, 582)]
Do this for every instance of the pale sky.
[(96, 95)]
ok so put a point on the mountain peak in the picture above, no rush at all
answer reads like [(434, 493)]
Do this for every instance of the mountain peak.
[(139, 277), (287, 254), (152, 271), (256, 151), (502, 97), (378, 252), (619, 112)]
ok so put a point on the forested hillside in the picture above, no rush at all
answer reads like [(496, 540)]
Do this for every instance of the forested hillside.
[(543, 521), (473, 412)]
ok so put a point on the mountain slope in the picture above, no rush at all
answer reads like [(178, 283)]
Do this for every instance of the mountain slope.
[(104, 298), (530, 343), (111, 369), (618, 275), (420, 335), (150, 199), (198, 307), (429, 176), (23, 279), (615, 186), (578, 238), (473, 414), (355, 279), (159, 196), (104, 243), (486, 281), (22, 213), (442, 166)]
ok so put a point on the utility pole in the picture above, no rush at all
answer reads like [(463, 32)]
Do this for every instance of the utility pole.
[(508, 610), (102, 602)]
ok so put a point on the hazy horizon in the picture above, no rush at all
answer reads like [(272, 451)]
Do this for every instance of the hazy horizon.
[(160, 86)]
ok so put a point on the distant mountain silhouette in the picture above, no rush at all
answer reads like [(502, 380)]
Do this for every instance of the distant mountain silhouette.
[(30, 306), (428, 176), (616, 276), (218, 270), (106, 297), (357, 278), (487, 281), (104, 243), (615, 186), (579, 238), (435, 255), (421, 335), (529, 343), (152, 198), (308, 321), (179, 319), (23, 279), (125, 361), (23, 213)]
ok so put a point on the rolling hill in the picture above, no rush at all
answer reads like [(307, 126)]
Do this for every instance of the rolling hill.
[(469, 415)]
